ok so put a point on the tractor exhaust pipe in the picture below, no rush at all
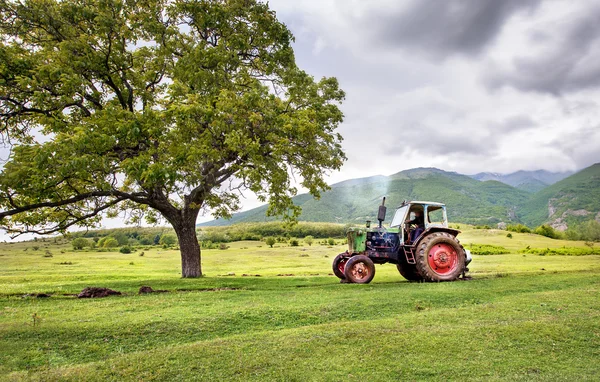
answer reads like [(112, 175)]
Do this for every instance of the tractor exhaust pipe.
[(381, 214)]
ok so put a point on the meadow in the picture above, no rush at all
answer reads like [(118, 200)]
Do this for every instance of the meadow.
[(277, 313)]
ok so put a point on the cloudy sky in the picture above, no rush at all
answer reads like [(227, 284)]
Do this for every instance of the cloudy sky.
[(462, 85)]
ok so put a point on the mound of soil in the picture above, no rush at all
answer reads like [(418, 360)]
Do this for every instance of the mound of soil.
[(146, 289), (36, 295), (95, 292)]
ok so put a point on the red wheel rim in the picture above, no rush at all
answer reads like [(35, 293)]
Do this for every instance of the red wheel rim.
[(342, 265), (443, 259), (360, 271)]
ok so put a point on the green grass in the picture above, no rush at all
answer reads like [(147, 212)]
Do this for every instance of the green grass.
[(522, 317)]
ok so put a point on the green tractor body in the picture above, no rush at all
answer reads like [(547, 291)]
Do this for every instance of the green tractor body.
[(418, 241)]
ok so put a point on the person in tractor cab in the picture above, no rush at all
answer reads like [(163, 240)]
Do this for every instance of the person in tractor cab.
[(419, 223)]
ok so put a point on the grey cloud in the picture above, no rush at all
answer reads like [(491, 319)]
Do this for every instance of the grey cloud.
[(572, 64), (439, 142), (518, 122), (444, 28)]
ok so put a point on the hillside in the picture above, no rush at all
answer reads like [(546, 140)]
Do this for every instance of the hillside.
[(468, 200), (530, 181), (571, 200)]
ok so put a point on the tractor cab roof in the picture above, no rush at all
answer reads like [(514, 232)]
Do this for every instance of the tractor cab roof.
[(422, 203)]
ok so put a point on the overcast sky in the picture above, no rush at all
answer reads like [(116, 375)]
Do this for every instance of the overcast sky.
[(461, 85)]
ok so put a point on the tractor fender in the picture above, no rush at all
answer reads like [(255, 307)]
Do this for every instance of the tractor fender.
[(451, 231)]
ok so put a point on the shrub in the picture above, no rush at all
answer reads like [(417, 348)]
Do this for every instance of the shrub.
[(125, 249), (519, 228), (270, 241), (331, 241), (509, 235), (486, 249), (294, 242), (167, 239), (108, 242), (309, 240), (80, 243), (223, 246), (564, 251), (546, 230)]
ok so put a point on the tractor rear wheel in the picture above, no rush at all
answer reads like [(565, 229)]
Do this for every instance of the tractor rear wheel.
[(359, 269), (339, 263), (409, 272), (440, 257)]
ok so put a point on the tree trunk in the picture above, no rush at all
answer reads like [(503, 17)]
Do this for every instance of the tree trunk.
[(189, 247)]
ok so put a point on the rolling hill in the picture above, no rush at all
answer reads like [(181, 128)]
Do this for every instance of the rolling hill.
[(573, 199), (356, 200)]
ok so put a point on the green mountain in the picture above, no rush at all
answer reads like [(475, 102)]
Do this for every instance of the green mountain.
[(530, 181), (356, 200), (571, 200)]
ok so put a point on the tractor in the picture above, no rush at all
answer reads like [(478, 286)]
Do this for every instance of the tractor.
[(418, 241)]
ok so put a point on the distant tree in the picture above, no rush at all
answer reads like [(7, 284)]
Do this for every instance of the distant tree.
[(109, 242), (163, 108), (80, 243), (126, 249), (546, 230), (270, 241), (309, 240), (590, 230), (168, 239)]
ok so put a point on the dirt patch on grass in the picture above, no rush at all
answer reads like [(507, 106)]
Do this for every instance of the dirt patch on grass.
[(95, 292), (36, 295), (148, 289)]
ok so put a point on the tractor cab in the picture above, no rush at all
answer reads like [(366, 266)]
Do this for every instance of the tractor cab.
[(406, 219)]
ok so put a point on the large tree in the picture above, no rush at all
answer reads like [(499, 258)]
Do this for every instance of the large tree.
[(159, 108)]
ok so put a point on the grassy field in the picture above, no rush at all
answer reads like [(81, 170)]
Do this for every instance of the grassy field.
[(521, 317)]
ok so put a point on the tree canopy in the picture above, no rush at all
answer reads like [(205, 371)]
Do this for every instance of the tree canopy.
[(158, 108)]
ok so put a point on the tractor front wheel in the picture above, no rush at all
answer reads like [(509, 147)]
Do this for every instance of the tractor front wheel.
[(440, 257), (339, 263), (359, 269)]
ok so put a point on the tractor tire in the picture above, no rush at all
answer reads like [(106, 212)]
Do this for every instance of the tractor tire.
[(409, 272), (440, 257), (359, 269), (339, 263)]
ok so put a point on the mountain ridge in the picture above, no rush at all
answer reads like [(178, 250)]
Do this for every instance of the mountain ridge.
[(481, 202)]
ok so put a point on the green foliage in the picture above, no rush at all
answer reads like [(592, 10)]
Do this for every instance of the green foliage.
[(256, 231), (309, 240), (486, 249), (223, 246), (168, 239), (509, 235), (546, 230), (331, 241), (80, 243), (108, 242), (564, 251), (520, 228), (270, 241), (294, 243), (126, 249)]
